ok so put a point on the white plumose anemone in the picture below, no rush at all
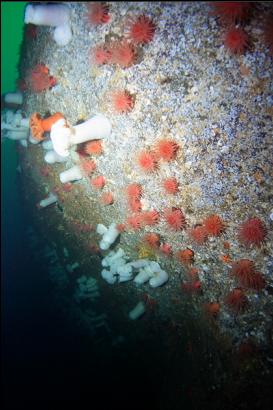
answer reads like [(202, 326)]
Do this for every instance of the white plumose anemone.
[(54, 15), (63, 137)]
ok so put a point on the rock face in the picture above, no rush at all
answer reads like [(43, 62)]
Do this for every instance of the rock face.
[(197, 114)]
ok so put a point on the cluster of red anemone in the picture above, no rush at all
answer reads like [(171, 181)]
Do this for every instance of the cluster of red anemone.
[(233, 15), (193, 283), (138, 31), (88, 166), (165, 150), (123, 53), (212, 225), (248, 278), (245, 272), (236, 300), (39, 79), (230, 13), (98, 13)]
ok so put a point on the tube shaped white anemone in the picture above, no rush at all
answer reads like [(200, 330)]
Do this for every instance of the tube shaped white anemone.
[(60, 135), (152, 272), (23, 142), (101, 229), (140, 263), (160, 277), (125, 272), (33, 140), (64, 137), (71, 174), (14, 121), (54, 15), (16, 134), (25, 122), (51, 199), (117, 264), (47, 15), (96, 127), (108, 276), (116, 255), (47, 145), (51, 157), (62, 35), (138, 311), (109, 237), (14, 126), (142, 277), (14, 98)]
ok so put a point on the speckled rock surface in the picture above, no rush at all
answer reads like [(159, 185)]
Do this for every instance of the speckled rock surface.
[(218, 108)]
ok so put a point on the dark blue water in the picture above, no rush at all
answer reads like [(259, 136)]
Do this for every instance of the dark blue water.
[(46, 360)]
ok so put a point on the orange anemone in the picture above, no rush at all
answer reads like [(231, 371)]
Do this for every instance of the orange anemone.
[(39, 126), (212, 309), (185, 256)]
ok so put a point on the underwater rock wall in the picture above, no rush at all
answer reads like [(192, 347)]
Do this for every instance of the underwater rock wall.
[(191, 125)]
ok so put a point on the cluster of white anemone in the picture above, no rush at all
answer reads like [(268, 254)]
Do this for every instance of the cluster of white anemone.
[(14, 126), (120, 270), (53, 15)]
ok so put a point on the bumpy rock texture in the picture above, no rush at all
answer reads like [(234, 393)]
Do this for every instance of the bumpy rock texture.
[(218, 108)]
